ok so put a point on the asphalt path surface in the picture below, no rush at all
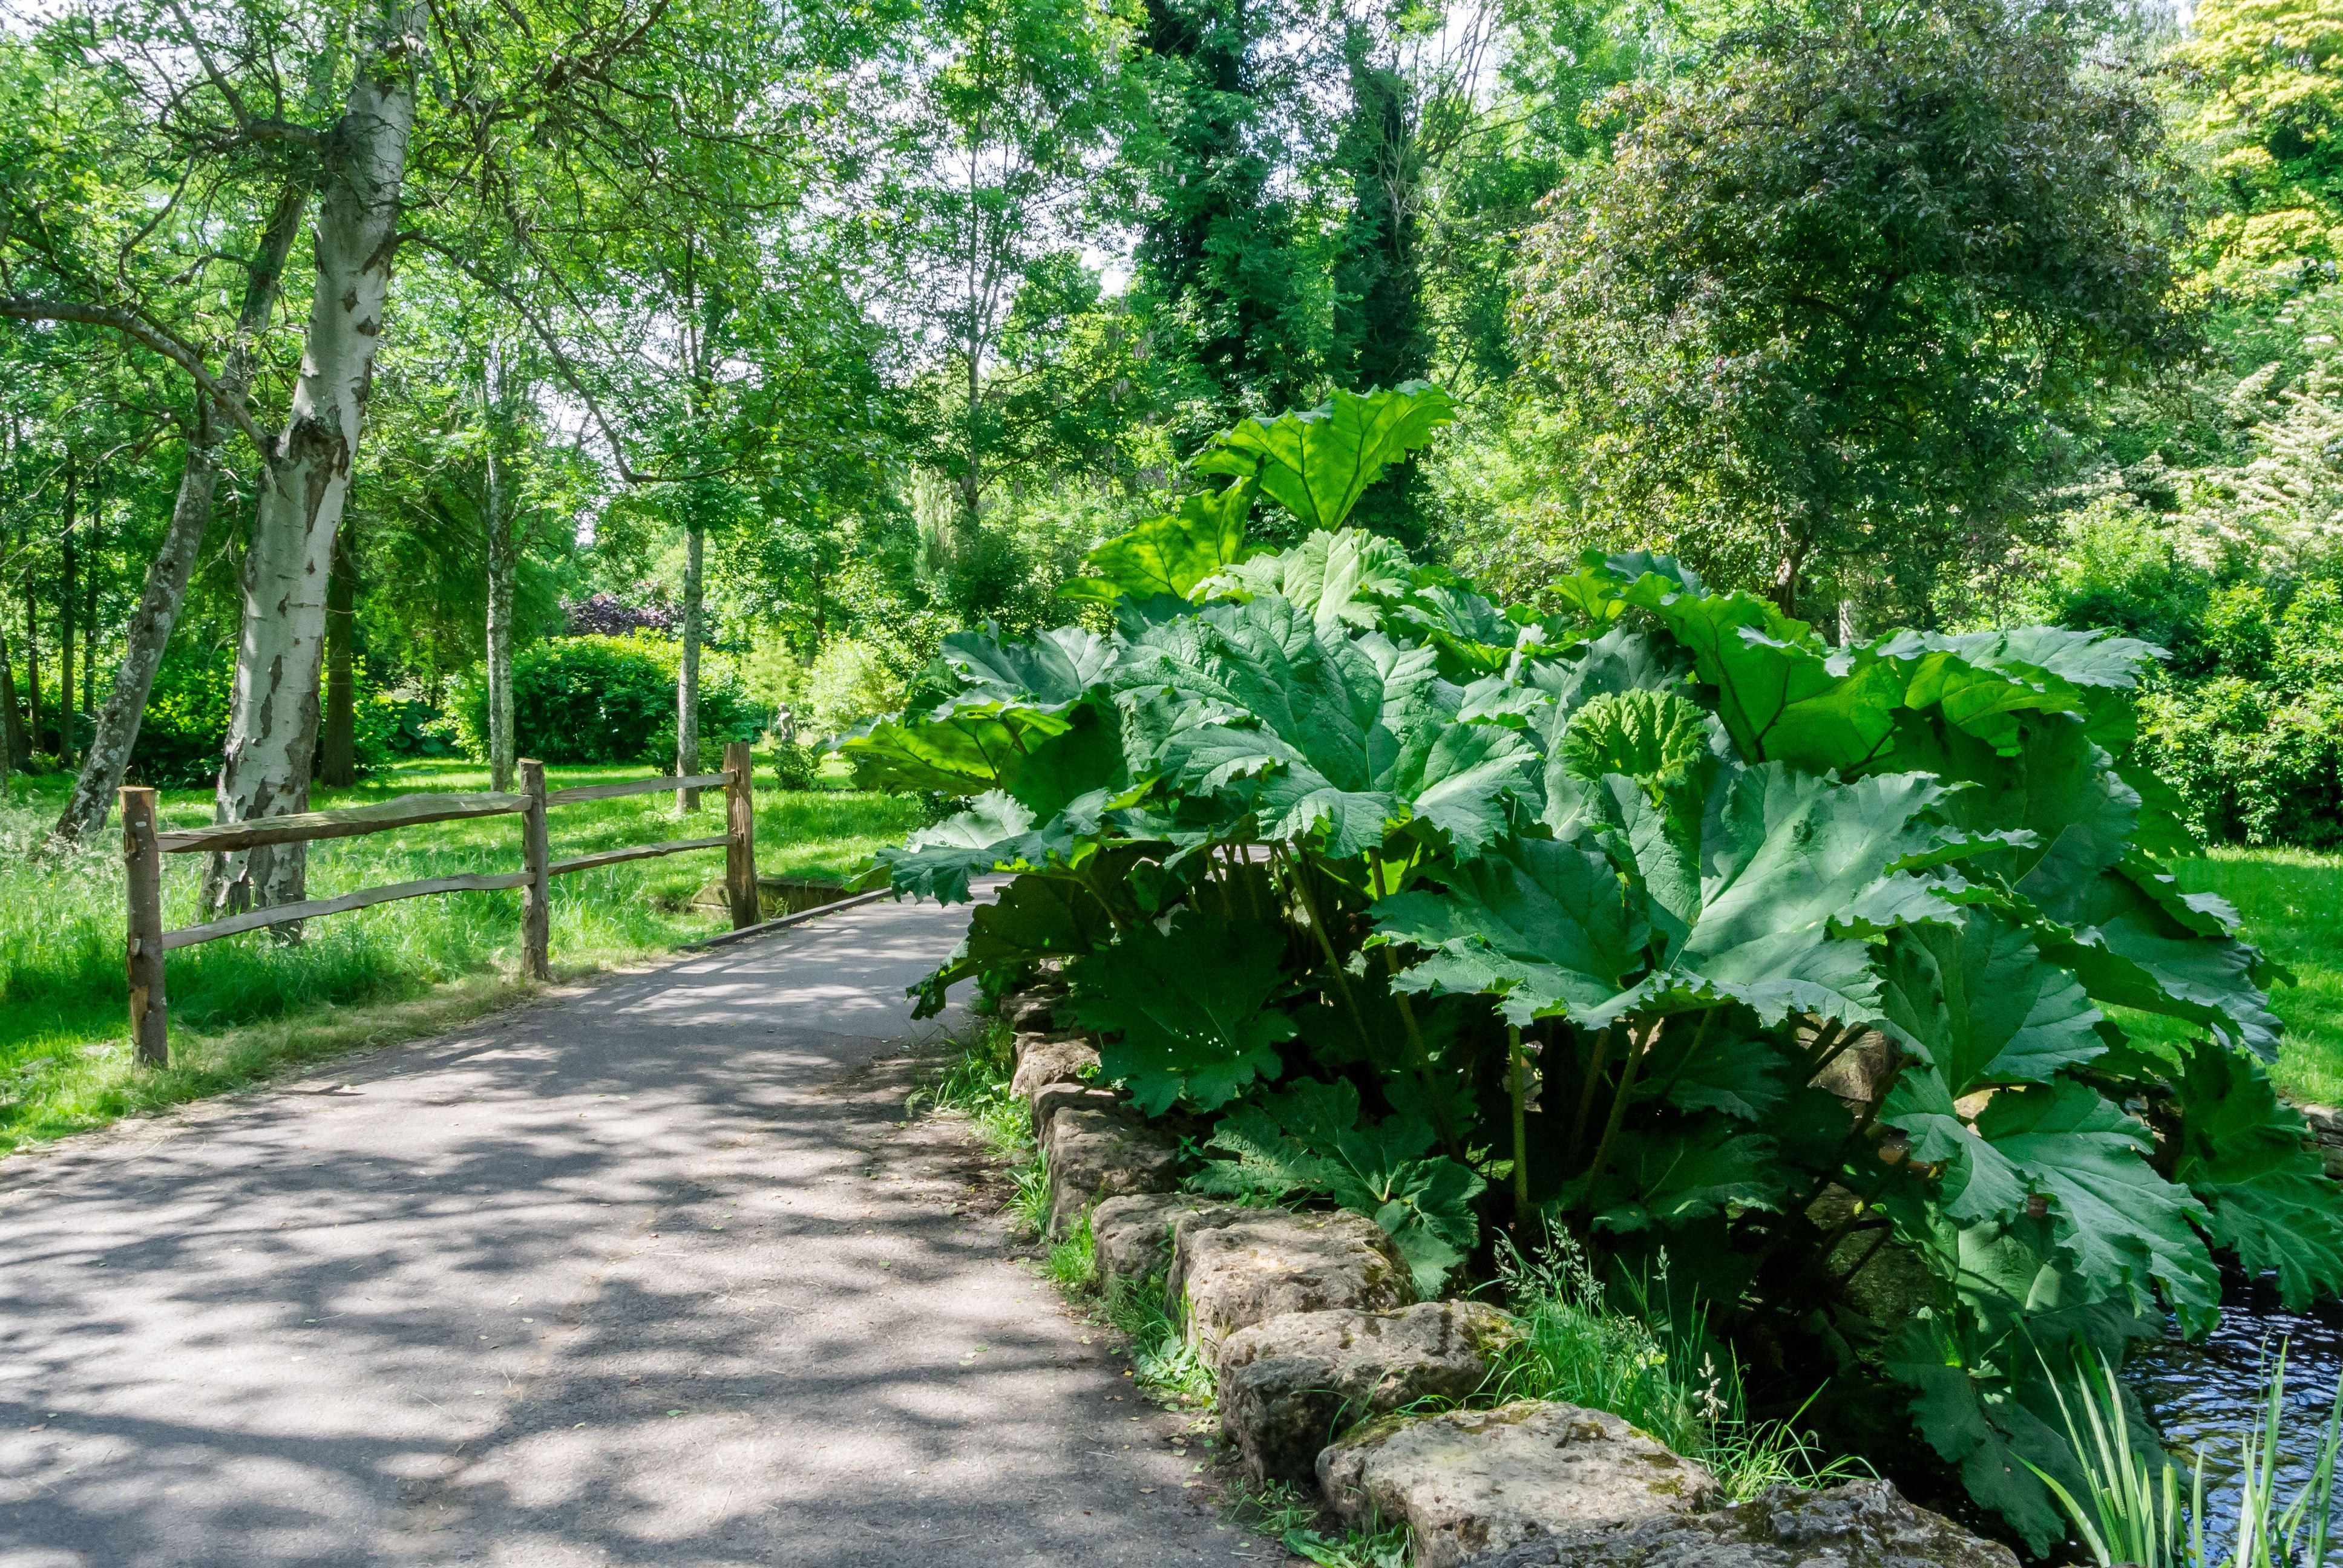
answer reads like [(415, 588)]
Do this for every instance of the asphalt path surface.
[(645, 1272)]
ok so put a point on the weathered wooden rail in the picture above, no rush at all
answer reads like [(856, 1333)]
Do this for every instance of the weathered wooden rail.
[(144, 845)]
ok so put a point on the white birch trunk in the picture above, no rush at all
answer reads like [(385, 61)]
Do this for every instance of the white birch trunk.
[(503, 567), (273, 726), (687, 675), (151, 624)]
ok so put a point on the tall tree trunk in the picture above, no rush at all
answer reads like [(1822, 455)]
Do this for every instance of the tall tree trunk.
[(89, 624), (149, 631), (687, 675), (337, 762), (32, 660), (12, 750), (68, 585), (273, 724), (503, 567)]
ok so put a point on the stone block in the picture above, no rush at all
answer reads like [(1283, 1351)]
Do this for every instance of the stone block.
[(1862, 1524), (1046, 1062), (1479, 1481), (1094, 1153), (1233, 1267), (1290, 1385), (1131, 1235)]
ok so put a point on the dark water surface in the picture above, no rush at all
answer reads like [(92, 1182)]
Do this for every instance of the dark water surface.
[(2207, 1395)]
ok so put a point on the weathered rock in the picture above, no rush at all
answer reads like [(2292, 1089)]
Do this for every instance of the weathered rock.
[(1097, 1153), (1862, 1524), (1132, 1236), (2326, 1135), (1287, 1386), (1033, 1012), (1480, 1481), (1049, 1101), (1045, 1062), (1233, 1267)]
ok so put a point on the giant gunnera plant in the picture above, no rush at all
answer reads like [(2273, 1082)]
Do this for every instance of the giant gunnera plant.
[(1652, 917)]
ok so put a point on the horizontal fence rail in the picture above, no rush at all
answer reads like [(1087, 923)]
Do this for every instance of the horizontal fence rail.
[(144, 845)]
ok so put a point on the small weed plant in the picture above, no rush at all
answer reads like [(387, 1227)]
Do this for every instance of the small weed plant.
[(1291, 1514), (1579, 1348), (1164, 1362)]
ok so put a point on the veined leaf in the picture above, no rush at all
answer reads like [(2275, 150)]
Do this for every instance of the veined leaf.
[(1545, 926), (2242, 1152), (1336, 579), (1317, 463), (1677, 1175), (1171, 554), (1979, 1002), (2126, 1229), (1185, 1010)]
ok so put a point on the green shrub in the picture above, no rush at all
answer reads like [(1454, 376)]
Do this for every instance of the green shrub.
[(604, 699), (184, 730), (1460, 913)]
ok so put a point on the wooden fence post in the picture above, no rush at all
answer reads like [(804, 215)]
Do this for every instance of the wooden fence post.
[(143, 947), (740, 834), (536, 894)]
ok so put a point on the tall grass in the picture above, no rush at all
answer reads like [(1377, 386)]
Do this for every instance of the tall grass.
[(245, 1006), (2130, 1511), (1576, 1346)]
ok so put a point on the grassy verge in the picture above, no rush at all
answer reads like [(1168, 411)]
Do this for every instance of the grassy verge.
[(247, 1006), (2292, 901)]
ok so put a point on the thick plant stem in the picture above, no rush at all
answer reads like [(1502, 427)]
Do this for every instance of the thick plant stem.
[(148, 633), (1300, 884), (1586, 1092), (1636, 1051), (1448, 1142), (1520, 1063)]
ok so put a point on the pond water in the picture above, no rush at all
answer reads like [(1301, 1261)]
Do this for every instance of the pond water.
[(2204, 1395)]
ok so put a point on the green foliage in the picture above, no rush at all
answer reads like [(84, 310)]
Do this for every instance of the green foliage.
[(1694, 857), (1752, 346), (1307, 1140), (1576, 1345), (603, 699)]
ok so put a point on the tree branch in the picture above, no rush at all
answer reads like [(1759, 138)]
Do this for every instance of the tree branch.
[(147, 336)]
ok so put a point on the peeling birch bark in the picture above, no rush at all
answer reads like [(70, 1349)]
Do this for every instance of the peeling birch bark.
[(273, 726)]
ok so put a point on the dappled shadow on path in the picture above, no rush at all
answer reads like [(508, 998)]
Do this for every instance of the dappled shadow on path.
[(606, 1280)]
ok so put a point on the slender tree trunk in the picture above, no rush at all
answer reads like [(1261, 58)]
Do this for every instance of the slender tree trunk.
[(338, 761), (32, 660), (503, 567), (687, 675), (13, 751), (68, 585), (1787, 567), (273, 726), (151, 624), (89, 629)]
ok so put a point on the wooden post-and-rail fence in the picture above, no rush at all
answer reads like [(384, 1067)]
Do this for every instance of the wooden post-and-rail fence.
[(144, 845)]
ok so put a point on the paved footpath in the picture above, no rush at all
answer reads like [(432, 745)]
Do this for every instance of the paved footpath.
[(638, 1275)]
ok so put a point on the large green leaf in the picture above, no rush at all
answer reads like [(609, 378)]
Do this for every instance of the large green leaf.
[(2242, 1152), (1171, 554), (1308, 1138), (1671, 1177), (2128, 949), (1317, 463), (1986, 1419), (2126, 1229), (1035, 917), (1978, 1001), (1337, 578), (1545, 926), (1322, 735), (1184, 1010), (1052, 670)]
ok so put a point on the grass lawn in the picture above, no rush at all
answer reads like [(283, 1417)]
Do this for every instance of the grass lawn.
[(247, 1005), (2292, 901)]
